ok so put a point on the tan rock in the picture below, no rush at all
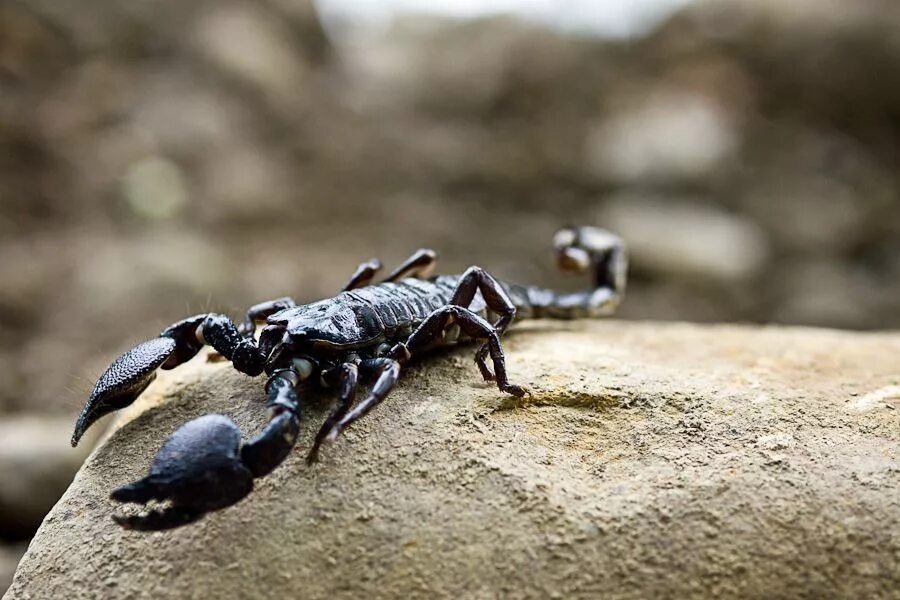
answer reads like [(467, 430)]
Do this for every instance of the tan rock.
[(654, 460)]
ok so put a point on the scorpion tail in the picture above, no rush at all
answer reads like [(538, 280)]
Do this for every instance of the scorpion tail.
[(581, 250)]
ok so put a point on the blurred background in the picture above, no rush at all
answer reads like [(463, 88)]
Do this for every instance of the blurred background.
[(163, 158)]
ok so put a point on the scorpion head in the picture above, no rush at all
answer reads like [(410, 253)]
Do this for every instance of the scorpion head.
[(325, 324)]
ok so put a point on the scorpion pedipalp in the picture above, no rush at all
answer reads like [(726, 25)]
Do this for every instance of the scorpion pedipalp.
[(124, 381), (197, 470), (203, 466), (131, 373)]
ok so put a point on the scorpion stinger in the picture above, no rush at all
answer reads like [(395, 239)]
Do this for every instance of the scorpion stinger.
[(589, 249)]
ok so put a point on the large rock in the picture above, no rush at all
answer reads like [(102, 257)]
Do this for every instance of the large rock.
[(653, 460)]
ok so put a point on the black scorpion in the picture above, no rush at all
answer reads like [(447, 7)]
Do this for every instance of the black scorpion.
[(367, 332)]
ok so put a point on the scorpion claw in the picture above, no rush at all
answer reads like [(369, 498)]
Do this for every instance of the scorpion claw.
[(124, 381), (197, 470), (139, 492)]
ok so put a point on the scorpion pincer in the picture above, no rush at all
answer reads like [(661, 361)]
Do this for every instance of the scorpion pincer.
[(364, 334)]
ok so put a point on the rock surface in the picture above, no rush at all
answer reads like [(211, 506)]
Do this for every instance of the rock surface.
[(653, 460)]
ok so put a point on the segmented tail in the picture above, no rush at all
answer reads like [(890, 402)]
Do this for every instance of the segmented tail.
[(579, 250)]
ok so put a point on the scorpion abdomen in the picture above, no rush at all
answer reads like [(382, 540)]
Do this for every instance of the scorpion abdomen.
[(406, 303), (367, 316)]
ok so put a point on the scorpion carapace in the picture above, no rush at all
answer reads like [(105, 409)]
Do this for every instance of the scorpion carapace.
[(364, 334)]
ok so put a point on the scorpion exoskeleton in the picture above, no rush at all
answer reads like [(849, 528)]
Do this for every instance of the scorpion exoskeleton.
[(367, 332)]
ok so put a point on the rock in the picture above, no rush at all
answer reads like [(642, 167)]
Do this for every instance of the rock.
[(254, 46), (653, 460), (36, 465), (669, 135)]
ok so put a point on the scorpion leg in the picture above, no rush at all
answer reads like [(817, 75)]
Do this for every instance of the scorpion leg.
[(476, 279), (363, 275), (130, 374), (472, 325), (202, 467), (348, 376), (258, 313), (421, 265), (386, 372)]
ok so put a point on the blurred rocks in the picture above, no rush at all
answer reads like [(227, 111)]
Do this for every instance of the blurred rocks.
[(9, 558), (36, 465), (165, 157), (253, 45), (670, 136), (154, 188), (685, 238)]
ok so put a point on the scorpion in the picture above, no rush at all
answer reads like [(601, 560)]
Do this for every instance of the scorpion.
[(365, 334)]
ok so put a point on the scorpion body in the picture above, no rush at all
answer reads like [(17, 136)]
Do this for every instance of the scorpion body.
[(368, 331)]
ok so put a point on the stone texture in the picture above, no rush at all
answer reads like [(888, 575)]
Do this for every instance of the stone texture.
[(653, 460)]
